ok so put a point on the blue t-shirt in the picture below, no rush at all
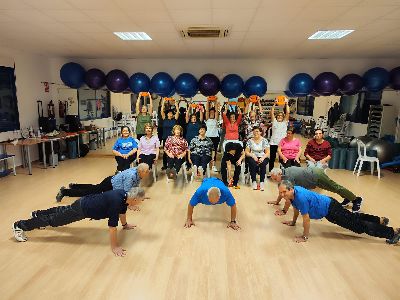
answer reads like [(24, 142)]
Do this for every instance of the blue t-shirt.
[(167, 127), (125, 145), (192, 131), (105, 205), (200, 196), (125, 180), (312, 203)]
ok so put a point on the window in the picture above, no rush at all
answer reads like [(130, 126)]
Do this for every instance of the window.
[(93, 104), (9, 116)]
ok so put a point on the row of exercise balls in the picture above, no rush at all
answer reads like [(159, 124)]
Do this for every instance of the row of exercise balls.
[(328, 83)]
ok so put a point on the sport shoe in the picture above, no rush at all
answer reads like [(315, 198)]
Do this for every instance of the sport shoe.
[(345, 202), (33, 214), (19, 234), (60, 194), (357, 204), (214, 169), (395, 239), (71, 185), (254, 185), (261, 186), (236, 187)]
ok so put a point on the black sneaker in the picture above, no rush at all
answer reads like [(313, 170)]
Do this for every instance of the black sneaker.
[(385, 221), (395, 239), (33, 214), (60, 194), (345, 202), (357, 204), (71, 185)]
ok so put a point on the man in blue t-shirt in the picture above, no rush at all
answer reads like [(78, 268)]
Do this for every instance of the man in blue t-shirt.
[(110, 205), (312, 205), (124, 180), (212, 191)]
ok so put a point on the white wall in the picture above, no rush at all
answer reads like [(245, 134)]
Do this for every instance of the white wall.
[(30, 70)]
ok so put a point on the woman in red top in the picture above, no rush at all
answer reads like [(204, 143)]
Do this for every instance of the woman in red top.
[(175, 148), (232, 125)]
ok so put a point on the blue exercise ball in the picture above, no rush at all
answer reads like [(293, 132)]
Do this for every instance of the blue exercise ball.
[(186, 85), (232, 86), (139, 82), (72, 74), (301, 84), (95, 78), (395, 78), (326, 83), (117, 81), (351, 84), (209, 85), (255, 85), (376, 79), (162, 84)]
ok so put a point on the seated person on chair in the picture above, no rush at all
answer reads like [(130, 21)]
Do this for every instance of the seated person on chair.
[(200, 151), (318, 151), (124, 180), (289, 150), (212, 191), (257, 156), (233, 155), (111, 205), (149, 147), (312, 205), (311, 178), (143, 116), (125, 149), (175, 149)]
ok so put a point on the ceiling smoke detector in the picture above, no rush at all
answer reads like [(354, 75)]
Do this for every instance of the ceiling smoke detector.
[(205, 32)]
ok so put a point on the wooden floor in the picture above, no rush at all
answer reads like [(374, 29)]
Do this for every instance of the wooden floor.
[(209, 261)]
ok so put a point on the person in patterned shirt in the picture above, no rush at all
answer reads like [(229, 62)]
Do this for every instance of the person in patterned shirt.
[(252, 119), (200, 151), (175, 149)]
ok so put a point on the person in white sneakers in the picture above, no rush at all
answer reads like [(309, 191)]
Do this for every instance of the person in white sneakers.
[(111, 204), (257, 157)]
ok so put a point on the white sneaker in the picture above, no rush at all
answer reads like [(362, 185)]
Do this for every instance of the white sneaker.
[(261, 186), (19, 234), (214, 169), (254, 185)]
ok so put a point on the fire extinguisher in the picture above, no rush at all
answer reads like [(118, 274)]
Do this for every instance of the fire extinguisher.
[(50, 109), (61, 109)]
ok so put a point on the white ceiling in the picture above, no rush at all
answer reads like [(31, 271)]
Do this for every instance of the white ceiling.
[(260, 28)]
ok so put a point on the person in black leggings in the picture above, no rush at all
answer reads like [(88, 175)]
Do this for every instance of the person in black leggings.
[(312, 205)]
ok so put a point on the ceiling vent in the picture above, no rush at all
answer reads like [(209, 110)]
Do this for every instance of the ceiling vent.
[(205, 32)]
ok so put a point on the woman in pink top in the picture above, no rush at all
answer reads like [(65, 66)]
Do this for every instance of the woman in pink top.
[(149, 147), (289, 150), (232, 125)]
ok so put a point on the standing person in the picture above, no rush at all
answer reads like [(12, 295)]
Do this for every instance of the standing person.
[(233, 155), (232, 125), (211, 192), (124, 180), (175, 149), (200, 151), (311, 178), (149, 147), (279, 127), (312, 205), (125, 149), (289, 150), (257, 152), (251, 119), (318, 151), (169, 121), (193, 125), (143, 116), (111, 205), (212, 123)]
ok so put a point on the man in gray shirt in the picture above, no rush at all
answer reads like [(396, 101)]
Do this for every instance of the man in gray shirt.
[(311, 178)]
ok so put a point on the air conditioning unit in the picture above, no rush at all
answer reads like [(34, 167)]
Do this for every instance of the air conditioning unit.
[(205, 32)]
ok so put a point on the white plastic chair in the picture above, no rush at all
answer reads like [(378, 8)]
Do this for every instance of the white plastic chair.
[(5, 157), (195, 169), (362, 156)]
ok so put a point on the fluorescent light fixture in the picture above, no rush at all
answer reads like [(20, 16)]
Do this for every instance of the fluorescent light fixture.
[(133, 36), (329, 34)]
